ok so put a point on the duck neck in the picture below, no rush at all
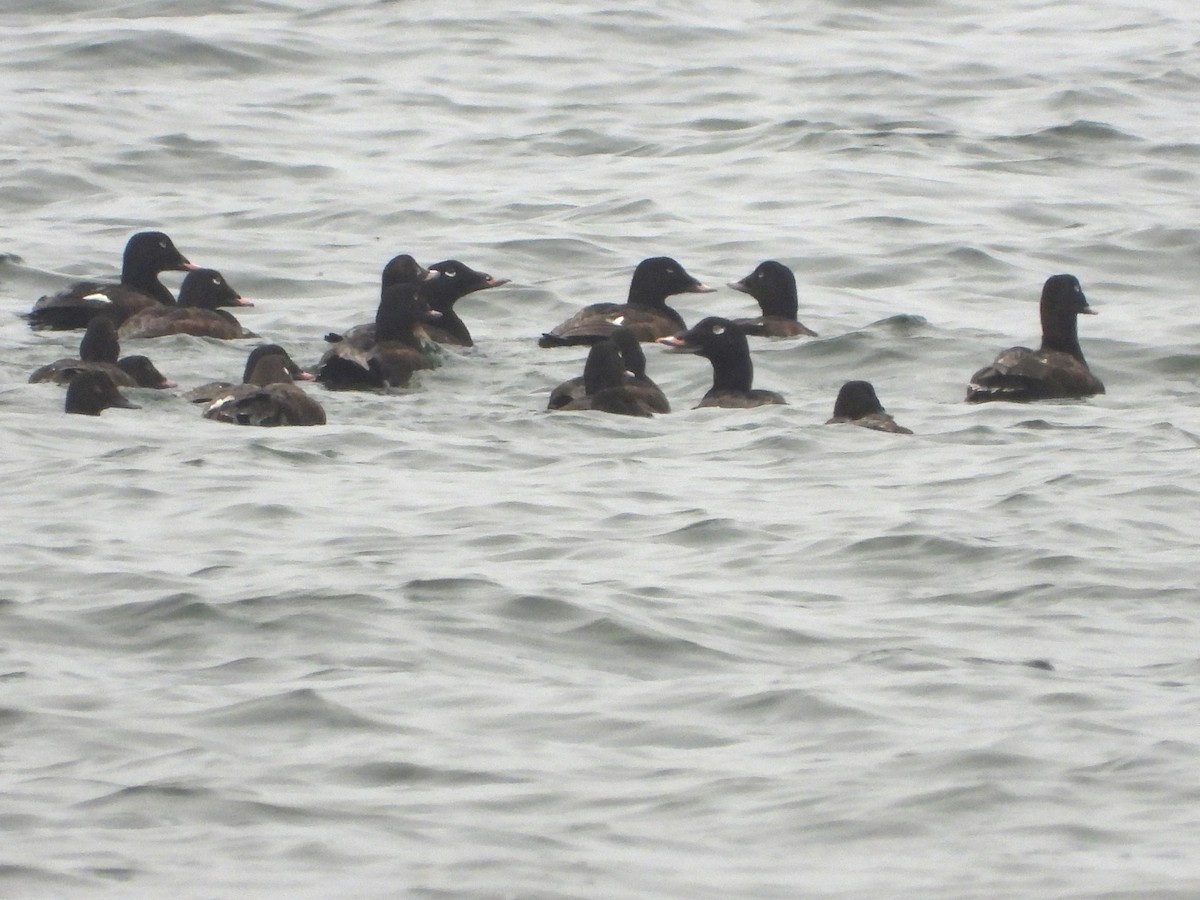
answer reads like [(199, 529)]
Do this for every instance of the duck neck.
[(1060, 332), (603, 369), (143, 278), (100, 343), (786, 306), (643, 293), (454, 326), (395, 330), (732, 368)]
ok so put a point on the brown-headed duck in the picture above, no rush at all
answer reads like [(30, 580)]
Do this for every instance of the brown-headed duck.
[(99, 351), (92, 391), (1057, 369), (858, 404), (267, 398), (207, 393), (194, 313), (773, 285)]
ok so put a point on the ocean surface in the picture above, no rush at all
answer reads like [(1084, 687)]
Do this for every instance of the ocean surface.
[(454, 646)]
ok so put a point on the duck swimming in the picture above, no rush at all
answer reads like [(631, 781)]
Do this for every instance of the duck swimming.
[(400, 347), (645, 311), (773, 285), (1057, 368), (633, 372), (147, 254), (858, 404), (99, 351), (92, 391), (723, 344), (207, 393), (268, 398), (195, 312)]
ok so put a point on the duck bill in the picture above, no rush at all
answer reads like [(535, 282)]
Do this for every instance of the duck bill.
[(700, 288), (739, 286), (241, 301), (676, 344), (1088, 311)]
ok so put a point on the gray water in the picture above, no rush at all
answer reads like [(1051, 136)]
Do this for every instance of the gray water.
[(451, 645)]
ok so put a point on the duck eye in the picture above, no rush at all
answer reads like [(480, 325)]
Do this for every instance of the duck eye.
[(216, 281), (718, 329)]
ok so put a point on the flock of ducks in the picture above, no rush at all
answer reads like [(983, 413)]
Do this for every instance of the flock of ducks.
[(415, 318)]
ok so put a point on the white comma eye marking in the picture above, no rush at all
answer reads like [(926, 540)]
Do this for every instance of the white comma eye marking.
[(718, 329)]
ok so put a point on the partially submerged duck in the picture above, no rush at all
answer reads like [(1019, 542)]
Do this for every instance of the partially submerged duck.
[(92, 391), (858, 404), (196, 311), (773, 285), (605, 385), (401, 269), (400, 346), (207, 393), (441, 286), (268, 398), (147, 254), (99, 351), (633, 373), (645, 312), (1057, 368), (456, 280), (723, 344)]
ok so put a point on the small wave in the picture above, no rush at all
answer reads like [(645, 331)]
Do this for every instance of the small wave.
[(407, 774), (1081, 133), (167, 50), (303, 709), (604, 635)]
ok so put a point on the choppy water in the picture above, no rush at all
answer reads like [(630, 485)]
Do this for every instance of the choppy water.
[(452, 646)]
